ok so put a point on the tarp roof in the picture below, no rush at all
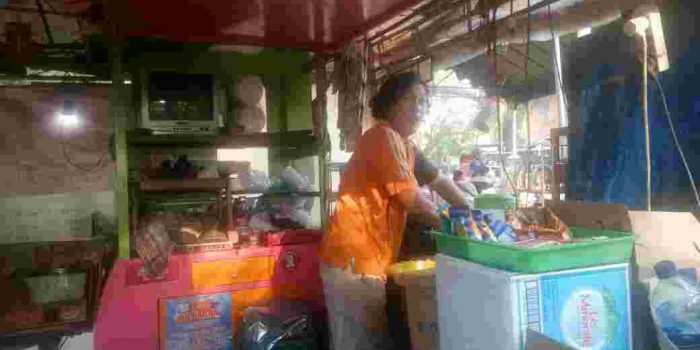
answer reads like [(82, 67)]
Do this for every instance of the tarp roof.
[(67, 34), (318, 25)]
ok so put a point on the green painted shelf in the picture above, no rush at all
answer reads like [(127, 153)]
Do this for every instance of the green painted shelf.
[(287, 139)]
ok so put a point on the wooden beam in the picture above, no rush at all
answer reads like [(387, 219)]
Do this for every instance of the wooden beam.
[(36, 11), (320, 128)]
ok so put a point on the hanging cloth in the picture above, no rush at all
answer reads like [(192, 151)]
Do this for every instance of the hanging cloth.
[(349, 83)]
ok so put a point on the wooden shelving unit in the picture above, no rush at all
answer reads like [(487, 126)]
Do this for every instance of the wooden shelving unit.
[(89, 256), (193, 195)]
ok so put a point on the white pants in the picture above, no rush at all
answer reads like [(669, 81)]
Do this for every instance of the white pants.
[(356, 306)]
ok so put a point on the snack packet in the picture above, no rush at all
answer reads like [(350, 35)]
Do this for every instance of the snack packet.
[(504, 232), (539, 223), (486, 233)]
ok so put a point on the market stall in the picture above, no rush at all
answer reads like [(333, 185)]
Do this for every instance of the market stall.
[(221, 181), (584, 288), (562, 274), (223, 188), (219, 219)]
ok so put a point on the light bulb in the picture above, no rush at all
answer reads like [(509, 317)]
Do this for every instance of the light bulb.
[(637, 25), (68, 116), (583, 32), (68, 120)]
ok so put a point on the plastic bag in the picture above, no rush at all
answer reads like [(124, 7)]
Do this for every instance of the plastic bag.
[(287, 211), (294, 180), (261, 221), (154, 247), (264, 331), (257, 180)]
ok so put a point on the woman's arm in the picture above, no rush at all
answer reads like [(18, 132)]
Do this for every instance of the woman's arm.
[(428, 174), (420, 206)]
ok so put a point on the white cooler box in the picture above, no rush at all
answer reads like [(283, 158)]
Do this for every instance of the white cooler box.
[(483, 308)]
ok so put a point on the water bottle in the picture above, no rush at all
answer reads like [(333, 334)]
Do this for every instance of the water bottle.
[(676, 302)]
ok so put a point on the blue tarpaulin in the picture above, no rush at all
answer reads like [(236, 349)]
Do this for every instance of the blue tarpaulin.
[(607, 153)]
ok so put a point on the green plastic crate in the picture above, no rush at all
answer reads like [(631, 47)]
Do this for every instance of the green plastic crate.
[(616, 249)]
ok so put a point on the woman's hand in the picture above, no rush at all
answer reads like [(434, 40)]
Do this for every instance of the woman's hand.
[(420, 206)]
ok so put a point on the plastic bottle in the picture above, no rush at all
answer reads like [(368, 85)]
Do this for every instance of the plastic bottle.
[(459, 219), (486, 233), (676, 302)]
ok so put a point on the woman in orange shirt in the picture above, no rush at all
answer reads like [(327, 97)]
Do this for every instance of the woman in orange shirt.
[(377, 190)]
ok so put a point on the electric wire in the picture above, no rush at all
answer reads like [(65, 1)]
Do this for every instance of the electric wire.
[(557, 73), (445, 77), (64, 340), (64, 149), (66, 156), (500, 150), (645, 117), (48, 3), (672, 128), (492, 47), (527, 108)]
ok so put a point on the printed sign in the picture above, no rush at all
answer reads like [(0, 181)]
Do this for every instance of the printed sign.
[(586, 310), (201, 322)]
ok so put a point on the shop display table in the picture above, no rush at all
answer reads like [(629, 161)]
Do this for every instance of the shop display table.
[(128, 315)]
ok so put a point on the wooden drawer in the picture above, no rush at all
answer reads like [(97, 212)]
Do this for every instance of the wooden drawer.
[(207, 274), (298, 264)]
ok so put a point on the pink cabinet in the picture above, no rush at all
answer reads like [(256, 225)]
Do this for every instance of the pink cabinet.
[(127, 317)]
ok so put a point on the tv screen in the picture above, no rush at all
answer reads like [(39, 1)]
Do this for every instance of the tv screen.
[(180, 97)]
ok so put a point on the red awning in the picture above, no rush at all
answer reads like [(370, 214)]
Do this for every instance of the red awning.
[(318, 25)]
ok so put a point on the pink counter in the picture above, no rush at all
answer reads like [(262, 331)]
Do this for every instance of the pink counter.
[(127, 317)]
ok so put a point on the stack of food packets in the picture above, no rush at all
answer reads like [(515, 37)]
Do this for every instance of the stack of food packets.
[(525, 227), (479, 226)]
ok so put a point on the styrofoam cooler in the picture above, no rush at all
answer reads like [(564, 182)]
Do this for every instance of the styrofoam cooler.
[(483, 308)]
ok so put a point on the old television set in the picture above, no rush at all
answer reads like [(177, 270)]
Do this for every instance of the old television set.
[(181, 103)]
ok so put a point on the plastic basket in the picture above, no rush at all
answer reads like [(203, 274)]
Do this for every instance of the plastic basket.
[(616, 249)]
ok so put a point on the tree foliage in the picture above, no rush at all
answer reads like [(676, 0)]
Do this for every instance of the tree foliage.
[(447, 132)]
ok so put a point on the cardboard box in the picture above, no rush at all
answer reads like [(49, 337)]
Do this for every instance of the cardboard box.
[(665, 236), (422, 311), (420, 307), (595, 215), (658, 236)]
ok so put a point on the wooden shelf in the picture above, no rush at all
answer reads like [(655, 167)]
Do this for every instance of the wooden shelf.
[(210, 186), (288, 139), (204, 247), (279, 194), (60, 328), (187, 185)]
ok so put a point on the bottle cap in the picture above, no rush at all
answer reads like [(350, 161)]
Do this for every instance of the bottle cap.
[(455, 212), (665, 269)]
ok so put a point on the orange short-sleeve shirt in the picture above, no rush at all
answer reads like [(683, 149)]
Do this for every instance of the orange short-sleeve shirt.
[(366, 229)]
